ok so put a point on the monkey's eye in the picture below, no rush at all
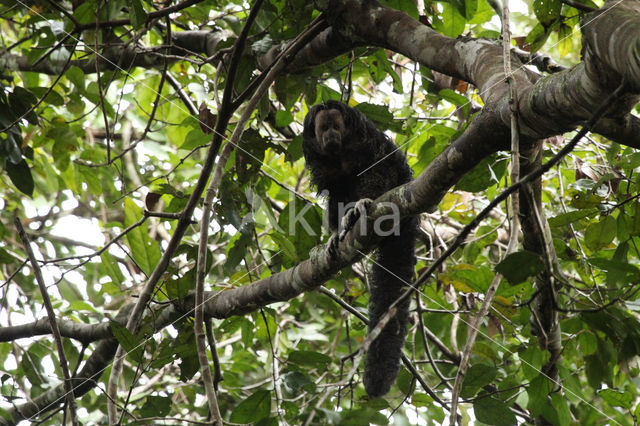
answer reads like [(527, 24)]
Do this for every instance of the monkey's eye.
[(325, 128)]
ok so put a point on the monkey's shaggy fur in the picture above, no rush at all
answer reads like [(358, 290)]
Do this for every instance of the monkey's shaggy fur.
[(353, 160)]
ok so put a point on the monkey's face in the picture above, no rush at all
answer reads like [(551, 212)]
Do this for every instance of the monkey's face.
[(329, 130)]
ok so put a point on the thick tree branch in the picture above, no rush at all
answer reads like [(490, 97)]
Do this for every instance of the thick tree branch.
[(548, 106), (324, 47), (84, 333), (610, 45)]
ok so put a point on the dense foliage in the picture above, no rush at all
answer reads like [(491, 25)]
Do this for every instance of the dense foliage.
[(107, 111)]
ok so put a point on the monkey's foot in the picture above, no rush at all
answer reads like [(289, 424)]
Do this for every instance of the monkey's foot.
[(333, 245), (347, 222), (352, 215)]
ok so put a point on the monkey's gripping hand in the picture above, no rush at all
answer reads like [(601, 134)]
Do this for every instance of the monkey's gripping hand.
[(347, 222)]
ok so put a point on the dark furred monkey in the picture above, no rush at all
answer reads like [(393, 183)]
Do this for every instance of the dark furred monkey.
[(352, 160)]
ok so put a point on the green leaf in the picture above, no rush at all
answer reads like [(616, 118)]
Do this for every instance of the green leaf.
[(189, 365), (547, 11), (601, 233), (421, 400), (310, 358), (468, 278), (379, 114), (20, 176), (617, 266), (164, 355), (112, 268), (456, 99), (408, 6), (137, 13), (561, 406), (246, 332), (236, 250), (519, 266), (301, 224), (156, 406), (532, 360), (477, 376), (486, 173), (5, 257), (565, 40), (195, 138), (483, 12), (52, 97), (256, 407), (617, 398), (288, 88), (380, 68), (539, 389), (21, 101), (145, 251), (178, 289), (250, 155), (129, 342), (588, 343), (265, 331), (459, 5), (5, 414), (12, 145), (568, 218), (86, 12), (363, 416), (470, 9), (405, 381), (283, 118), (453, 22), (294, 150), (185, 349), (286, 245), (582, 200), (537, 37), (69, 291), (75, 104), (493, 412), (296, 381), (76, 76)]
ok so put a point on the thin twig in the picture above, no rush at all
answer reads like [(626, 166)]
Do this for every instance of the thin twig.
[(225, 111), (46, 301), (514, 230)]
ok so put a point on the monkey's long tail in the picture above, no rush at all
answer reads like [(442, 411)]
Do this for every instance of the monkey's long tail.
[(391, 273)]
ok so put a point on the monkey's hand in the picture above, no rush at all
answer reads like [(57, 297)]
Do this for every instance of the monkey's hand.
[(348, 221)]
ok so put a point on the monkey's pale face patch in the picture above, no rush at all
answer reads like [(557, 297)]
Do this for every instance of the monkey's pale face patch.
[(329, 130)]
